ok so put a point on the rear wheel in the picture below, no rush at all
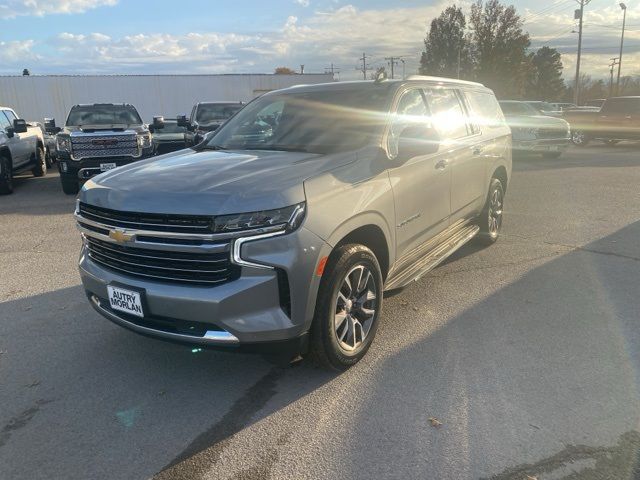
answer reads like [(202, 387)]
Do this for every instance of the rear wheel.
[(40, 170), (6, 175), (490, 220), (579, 138), (347, 308), (70, 186)]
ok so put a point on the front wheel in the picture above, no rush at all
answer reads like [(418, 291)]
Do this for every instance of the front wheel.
[(6, 176), (347, 308), (579, 138), (490, 220), (40, 170), (70, 186)]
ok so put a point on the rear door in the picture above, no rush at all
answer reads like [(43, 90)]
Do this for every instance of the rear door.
[(18, 144), (464, 152)]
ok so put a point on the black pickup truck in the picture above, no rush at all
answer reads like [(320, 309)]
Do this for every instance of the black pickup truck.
[(96, 138)]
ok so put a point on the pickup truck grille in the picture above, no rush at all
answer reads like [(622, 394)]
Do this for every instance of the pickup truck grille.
[(180, 267), (147, 221), (555, 133), (92, 146)]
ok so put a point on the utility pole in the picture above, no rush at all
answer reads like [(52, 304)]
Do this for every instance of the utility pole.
[(403, 68), (364, 65), (332, 69), (614, 62), (392, 62), (578, 15), (624, 19), (301, 69)]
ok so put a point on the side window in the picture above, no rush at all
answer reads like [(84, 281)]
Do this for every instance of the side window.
[(411, 109), (10, 115), (447, 114), (485, 110), (4, 121)]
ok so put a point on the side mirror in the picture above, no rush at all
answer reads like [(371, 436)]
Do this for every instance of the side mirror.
[(19, 125), (158, 122), (418, 140), (50, 126), (182, 121)]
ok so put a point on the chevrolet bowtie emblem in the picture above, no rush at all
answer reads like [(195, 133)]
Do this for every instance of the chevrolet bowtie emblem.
[(120, 235)]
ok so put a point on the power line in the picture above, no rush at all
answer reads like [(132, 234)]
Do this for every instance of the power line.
[(364, 67)]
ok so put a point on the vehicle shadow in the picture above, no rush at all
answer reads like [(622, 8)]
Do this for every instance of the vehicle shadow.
[(73, 385), (531, 365), (37, 196), (593, 155)]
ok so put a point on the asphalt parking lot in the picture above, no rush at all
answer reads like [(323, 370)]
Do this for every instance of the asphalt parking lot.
[(527, 352)]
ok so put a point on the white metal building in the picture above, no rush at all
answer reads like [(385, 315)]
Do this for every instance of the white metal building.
[(36, 97)]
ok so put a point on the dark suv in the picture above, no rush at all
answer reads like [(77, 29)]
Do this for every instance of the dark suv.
[(285, 228), (207, 117), (96, 138)]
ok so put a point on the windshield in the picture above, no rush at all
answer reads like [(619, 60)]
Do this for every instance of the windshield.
[(337, 120), (171, 127), (210, 112), (518, 108), (103, 115)]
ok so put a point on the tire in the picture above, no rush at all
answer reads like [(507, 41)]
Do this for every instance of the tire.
[(552, 155), (490, 220), (48, 158), (40, 170), (70, 186), (341, 346), (580, 138), (6, 176)]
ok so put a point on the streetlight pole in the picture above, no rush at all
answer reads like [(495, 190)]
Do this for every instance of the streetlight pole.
[(578, 15), (624, 19)]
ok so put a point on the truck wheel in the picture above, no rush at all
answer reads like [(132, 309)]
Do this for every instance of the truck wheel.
[(347, 308), (490, 220), (6, 176), (579, 138), (40, 170), (70, 186)]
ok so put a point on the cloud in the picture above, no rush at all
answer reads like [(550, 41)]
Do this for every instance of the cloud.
[(14, 8), (338, 35), (17, 51), (304, 3)]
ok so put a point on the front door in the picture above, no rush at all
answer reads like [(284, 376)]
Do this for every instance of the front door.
[(421, 185)]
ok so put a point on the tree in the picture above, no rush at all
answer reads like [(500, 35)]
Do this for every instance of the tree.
[(379, 71), (26, 72), (446, 48), (545, 81), (284, 71), (499, 48)]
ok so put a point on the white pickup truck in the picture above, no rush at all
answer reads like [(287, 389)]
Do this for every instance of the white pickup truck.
[(21, 149)]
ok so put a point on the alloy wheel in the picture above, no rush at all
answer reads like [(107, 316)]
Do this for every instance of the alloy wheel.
[(355, 308), (578, 137), (495, 211)]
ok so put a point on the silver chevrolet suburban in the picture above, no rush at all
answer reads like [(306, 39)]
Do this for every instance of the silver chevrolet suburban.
[(283, 230)]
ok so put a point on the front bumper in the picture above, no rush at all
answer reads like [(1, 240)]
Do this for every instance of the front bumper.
[(89, 167), (247, 312), (545, 145)]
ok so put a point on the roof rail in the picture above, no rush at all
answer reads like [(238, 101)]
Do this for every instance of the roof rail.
[(443, 79)]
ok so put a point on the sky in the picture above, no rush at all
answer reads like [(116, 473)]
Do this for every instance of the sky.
[(247, 36)]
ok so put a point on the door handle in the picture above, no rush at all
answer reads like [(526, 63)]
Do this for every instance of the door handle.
[(442, 164), (477, 151)]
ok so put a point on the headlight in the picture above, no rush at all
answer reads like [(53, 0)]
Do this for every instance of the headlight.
[(288, 218), (63, 143), (144, 140)]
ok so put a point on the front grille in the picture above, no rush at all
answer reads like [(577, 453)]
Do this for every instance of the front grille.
[(181, 267), (92, 146), (148, 221), (552, 133)]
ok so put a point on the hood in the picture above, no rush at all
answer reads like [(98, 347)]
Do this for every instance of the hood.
[(168, 137), (104, 128), (535, 121), (209, 182)]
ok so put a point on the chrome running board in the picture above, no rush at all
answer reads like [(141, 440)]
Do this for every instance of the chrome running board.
[(428, 256)]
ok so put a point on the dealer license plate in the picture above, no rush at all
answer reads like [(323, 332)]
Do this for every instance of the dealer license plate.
[(107, 166), (126, 301)]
